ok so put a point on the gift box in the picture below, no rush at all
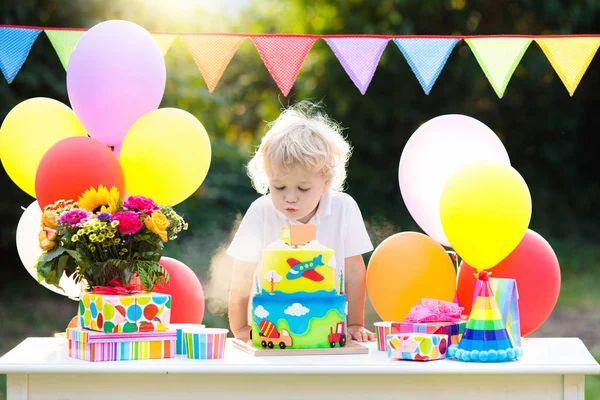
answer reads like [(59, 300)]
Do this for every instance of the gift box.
[(507, 298), (417, 346), (144, 312), (434, 317), (453, 330), (99, 346)]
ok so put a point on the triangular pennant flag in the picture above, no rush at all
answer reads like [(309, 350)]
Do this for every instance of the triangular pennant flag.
[(426, 57), (64, 43), (570, 57), (498, 58), (164, 41), (485, 338), (212, 54), (359, 57), (283, 56), (15, 44)]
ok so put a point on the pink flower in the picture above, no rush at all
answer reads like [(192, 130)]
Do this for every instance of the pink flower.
[(140, 203), (75, 217), (129, 222)]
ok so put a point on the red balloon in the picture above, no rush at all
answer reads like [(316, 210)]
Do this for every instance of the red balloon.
[(533, 264), (72, 166), (187, 296)]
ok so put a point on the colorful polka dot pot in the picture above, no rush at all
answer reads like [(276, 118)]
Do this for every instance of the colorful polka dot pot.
[(146, 312), (417, 346)]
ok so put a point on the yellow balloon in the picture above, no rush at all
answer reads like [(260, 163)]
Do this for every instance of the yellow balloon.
[(28, 132), (165, 156), (485, 211)]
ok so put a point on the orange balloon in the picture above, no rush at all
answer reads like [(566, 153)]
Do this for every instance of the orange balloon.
[(405, 268)]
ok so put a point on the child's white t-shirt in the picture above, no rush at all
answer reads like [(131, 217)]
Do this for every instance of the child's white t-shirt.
[(339, 226)]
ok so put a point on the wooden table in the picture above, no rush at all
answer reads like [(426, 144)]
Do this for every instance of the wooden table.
[(39, 368)]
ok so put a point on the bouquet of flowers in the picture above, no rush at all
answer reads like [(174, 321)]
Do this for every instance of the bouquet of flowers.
[(107, 242)]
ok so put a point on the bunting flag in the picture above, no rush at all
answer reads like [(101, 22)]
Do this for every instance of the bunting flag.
[(164, 41), (359, 57), (283, 56), (498, 58), (212, 54), (64, 43), (15, 44), (570, 57), (426, 57)]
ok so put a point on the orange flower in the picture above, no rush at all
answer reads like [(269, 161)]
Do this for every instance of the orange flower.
[(49, 219), (158, 224), (46, 239)]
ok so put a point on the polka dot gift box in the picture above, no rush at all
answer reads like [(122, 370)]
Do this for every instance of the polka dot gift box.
[(417, 346), (145, 312)]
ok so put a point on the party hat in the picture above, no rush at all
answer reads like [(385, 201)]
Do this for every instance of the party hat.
[(485, 338)]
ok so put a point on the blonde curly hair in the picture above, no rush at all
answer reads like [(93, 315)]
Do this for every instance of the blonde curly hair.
[(301, 137)]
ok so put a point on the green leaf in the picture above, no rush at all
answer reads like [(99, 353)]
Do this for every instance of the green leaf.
[(53, 254)]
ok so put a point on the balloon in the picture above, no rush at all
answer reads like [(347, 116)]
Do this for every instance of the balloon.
[(28, 228), (485, 210), (432, 155), (72, 166), (187, 296), (405, 268), (28, 131), (116, 74), (165, 156), (533, 264)]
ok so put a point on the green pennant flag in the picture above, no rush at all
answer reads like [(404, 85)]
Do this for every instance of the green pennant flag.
[(64, 42), (498, 58)]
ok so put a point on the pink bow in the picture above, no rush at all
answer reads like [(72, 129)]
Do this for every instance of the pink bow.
[(431, 310), (116, 287)]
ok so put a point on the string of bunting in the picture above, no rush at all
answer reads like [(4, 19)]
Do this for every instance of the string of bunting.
[(359, 55)]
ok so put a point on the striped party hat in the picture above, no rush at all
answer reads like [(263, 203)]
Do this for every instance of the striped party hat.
[(485, 338)]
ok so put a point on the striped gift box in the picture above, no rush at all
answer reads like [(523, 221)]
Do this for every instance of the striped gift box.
[(205, 344), (453, 330), (90, 345)]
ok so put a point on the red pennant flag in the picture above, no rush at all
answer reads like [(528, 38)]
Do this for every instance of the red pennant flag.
[(283, 56)]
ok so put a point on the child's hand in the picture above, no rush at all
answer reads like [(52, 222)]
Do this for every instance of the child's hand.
[(243, 334), (359, 333)]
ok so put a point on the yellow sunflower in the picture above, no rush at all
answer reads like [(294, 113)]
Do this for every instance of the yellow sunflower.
[(99, 201)]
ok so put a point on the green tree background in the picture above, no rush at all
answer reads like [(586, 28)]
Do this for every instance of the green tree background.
[(551, 137)]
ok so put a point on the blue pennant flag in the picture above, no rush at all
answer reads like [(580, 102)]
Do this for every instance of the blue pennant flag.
[(15, 44), (426, 57)]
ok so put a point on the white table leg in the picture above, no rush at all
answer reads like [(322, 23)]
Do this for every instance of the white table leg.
[(17, 386), (574, 387)]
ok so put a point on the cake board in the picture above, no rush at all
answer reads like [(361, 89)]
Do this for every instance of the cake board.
[(350, 348)]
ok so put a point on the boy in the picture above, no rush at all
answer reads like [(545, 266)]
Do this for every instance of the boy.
[(300, 168)]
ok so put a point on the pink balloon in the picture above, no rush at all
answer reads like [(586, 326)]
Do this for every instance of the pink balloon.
[(115, 75), (435, 152)]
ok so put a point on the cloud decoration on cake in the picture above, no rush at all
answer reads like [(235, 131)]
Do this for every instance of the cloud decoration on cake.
[(261, 312), (296, 310), (273, 275)]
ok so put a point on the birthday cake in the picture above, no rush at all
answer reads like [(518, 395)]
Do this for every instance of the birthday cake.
[(298, 302)]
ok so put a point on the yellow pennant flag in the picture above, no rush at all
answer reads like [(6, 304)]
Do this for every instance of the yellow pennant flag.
[(164, 41), (212, 54), (570, 57), (498, 57)]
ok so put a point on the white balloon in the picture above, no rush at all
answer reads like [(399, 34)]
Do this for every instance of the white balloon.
[(432, 155), (29, 251)]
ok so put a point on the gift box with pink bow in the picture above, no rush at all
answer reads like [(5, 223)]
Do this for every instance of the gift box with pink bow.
[(434, 317)]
